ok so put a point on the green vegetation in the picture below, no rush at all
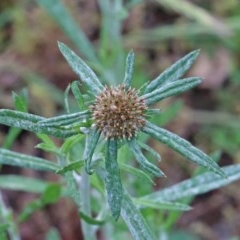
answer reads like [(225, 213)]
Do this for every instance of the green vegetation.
[(99, 142)]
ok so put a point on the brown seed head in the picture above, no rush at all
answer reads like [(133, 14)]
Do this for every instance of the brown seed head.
[(118, 112)]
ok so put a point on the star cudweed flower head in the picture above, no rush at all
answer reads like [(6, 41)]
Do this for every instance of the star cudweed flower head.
[(119, 113)]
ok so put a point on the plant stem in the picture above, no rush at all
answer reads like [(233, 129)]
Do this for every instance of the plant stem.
[(84, 185), (6, 216)]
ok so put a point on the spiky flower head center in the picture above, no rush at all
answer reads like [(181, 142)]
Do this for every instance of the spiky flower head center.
[(118, 112)]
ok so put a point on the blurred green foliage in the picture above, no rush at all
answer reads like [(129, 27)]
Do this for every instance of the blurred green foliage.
[(26, 30)]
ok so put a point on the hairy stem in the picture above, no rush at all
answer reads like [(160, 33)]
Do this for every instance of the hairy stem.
[(84, 185), (5, 215)]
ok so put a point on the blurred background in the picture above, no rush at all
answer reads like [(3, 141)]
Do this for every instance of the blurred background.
[(102, 32)]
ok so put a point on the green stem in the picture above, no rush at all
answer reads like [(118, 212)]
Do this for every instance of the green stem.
[(6, 216), (85, 187)]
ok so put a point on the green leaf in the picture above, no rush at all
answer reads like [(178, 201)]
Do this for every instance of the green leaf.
[(170, 89), (70, 142), (47, 145), (12, 135), (65, 119), (174, 72), (196, 185), (29, 122), (46, 139), (134, 220), (20, 115), (183, 147), (145, 164), (152, 111), (90, 220), (137, 172), (113, 179), (78, 95), (66, 100), (21, 101), (47, 148), (21, 104), (70, 167), (91, 143), (81, 69), (63, 18), (199, 15), (150, 150), (30, 208), (19, 183), (51, 194), (26, 161), (129, 69), (161, 205)]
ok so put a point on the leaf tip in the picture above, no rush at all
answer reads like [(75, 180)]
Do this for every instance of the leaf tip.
[(196, 52), (131, 53), (160, 173), (199, 80), (60, 44)]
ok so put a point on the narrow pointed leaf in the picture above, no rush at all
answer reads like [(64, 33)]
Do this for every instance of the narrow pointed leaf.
[(78, 95), (199, 15), (134, 220), (154, 153), (81, 69), (91, 143), (69, 26), (197, 185), (70, 142), (70, 167), (26, 161), (30, 122), (161, 205), (66, 100), (183, 147), (46, 139), (113, 179), (91, 220), (64, 120), (152, 111), (137, 172), (21, 101), (29, 209), (170, 89), (47, 144), (20, 115), (11, 137), (144, 163), (174, 72), (129, 69), (51, 194), (20, 183)]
